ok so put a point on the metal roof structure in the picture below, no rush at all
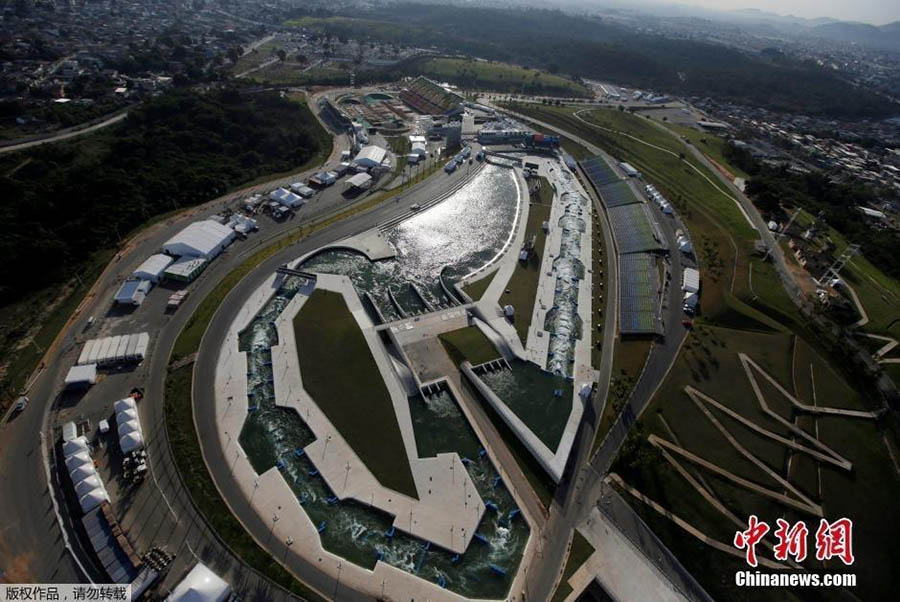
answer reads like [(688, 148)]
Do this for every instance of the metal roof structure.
[(205, 238), (370, 156), (153, 267)]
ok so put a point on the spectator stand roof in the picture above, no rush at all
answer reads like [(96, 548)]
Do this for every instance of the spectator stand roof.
[(634, 228), (639, 294), (618, 193), (599, 171)]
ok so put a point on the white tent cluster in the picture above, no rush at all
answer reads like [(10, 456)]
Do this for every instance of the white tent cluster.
[(683, 242), (659, 199), (287, 198), (112, 350), (131, 437), (89, 487)]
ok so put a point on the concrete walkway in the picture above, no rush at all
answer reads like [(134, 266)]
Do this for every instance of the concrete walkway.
[(618, 566)]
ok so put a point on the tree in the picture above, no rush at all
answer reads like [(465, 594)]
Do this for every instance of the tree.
[(282, 55), (233, 55)]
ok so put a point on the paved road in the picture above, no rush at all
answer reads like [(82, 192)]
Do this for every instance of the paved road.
[(69, 133)]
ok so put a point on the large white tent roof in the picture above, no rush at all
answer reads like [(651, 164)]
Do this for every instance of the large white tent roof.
[(93, 499), (360, 180), (130, 442), (79, 459), (199, 239), (87, 485), (80, 473), (86, 374), (200, 585), (373, 155), (74, 446), (153, 266), (124, 404)]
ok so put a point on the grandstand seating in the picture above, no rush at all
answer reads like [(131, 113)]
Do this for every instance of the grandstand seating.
[(639, 307), (427, 97)]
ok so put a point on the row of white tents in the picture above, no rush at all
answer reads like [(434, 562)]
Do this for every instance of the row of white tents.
[(115, 349), (681, 238), (131, 436), (659, 199), (89, 488)]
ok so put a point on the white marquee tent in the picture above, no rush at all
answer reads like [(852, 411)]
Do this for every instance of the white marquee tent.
[(204, 239), (200, 585)]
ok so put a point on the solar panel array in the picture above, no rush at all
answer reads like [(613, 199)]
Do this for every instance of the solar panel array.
[(618, 193), (634, 228), (639, 309), (599, 171)]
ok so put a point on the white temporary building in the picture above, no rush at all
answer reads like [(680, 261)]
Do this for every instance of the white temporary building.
[(131, 437), (360, 180), (81, 472), (153, 267), (690, 280), (79, 459), (302, 189), (133, 292), (75, 446), (200, 585), (204, 239), (88, 484), (287, 198), (69, 431), (92, 499), (81, 376), (370, 156), (691, 300), (89, 487), (111, 350), (419, 148)]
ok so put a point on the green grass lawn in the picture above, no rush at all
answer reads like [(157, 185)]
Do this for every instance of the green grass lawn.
[(296, 74), (476, 289), (360, 408), (468, 344), (490, 75), (523, 283), (709, 144), (540, 481), (709, 363), (579, 552)]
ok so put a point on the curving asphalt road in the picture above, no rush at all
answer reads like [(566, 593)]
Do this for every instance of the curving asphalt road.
[(64, 135)]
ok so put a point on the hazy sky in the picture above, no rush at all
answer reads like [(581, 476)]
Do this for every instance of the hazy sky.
[(868, 11)]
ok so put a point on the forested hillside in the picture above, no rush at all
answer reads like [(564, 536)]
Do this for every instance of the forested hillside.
[(590, 47), (64, 201)]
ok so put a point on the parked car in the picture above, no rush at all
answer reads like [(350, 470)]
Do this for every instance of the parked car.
[(21, 403)]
